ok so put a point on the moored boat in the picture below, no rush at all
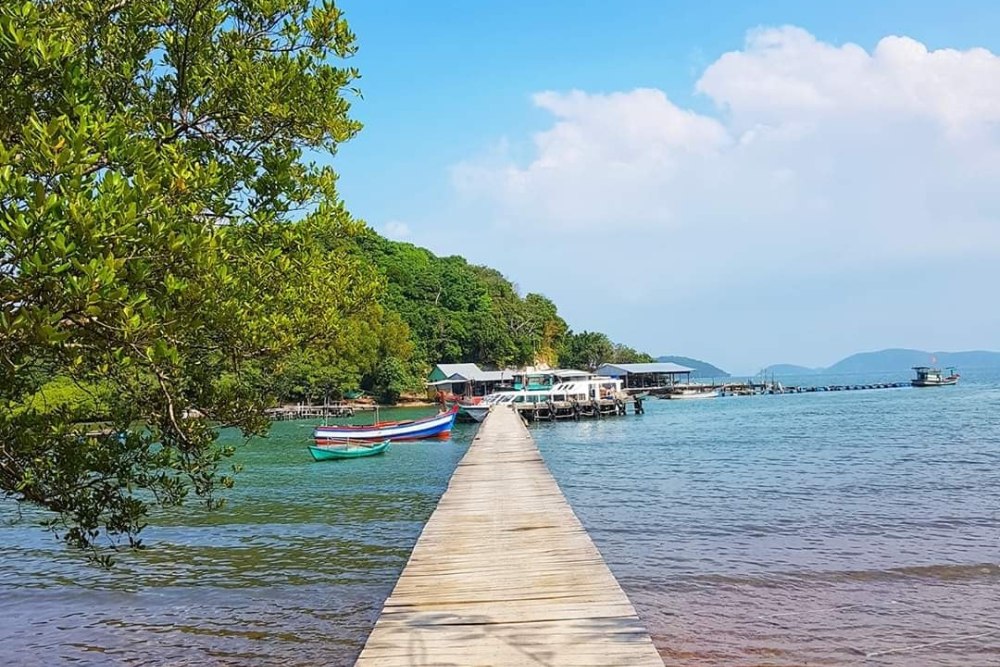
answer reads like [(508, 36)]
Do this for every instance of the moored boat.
[(933, 377), (438, 426), (557, 387), (690, 393), (347, 450), (474, 411)]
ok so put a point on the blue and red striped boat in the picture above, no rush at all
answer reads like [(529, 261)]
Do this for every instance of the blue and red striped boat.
[(438, 426)]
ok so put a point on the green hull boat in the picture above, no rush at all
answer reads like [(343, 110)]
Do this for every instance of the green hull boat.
[(347, 450)]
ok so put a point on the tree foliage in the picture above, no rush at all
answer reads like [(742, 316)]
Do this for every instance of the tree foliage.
[(459, 312), (171, 261), (163, 235)]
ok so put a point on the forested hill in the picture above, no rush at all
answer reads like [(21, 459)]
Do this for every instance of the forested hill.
[(460, 312)]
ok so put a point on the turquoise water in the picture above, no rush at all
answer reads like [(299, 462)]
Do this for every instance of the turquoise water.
[(801, 529), (292, 572), (816, 529)]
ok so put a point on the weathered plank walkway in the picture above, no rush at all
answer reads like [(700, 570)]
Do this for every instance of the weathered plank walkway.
[(504, 574)]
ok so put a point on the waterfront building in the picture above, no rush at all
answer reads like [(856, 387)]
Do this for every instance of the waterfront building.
[(467, 379), (647, 376)]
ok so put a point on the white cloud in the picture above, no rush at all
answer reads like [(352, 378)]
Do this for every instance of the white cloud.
[(823, 160), (394, 229), (822, 152), (786, 74)]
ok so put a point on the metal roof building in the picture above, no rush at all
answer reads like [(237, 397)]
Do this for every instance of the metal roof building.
[(444, 371), (466, 379), (617, 370), (650, 375)]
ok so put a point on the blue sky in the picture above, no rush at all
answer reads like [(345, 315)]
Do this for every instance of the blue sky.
[(792, 198)]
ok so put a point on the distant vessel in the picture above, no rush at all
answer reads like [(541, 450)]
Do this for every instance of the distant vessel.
[(691, 393), (933, 377)]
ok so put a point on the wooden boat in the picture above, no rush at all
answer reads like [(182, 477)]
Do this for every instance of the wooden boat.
[(347, 450), (438, 426), (933, 377)]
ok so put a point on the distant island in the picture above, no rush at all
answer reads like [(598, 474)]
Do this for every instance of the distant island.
[(702, 369), (792, 369), (895, 359)]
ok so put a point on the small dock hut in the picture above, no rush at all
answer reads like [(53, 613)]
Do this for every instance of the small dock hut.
[(466, 379), (647, 376)]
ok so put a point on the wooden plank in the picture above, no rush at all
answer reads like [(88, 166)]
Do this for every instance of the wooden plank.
[(505, 574)]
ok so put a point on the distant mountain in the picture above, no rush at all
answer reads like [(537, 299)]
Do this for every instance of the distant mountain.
[(791, 369), (702, 369), (896, 359)]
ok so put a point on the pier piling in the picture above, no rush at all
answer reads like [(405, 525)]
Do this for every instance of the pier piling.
[(505, 574)]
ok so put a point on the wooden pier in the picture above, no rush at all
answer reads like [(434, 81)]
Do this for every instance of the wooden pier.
[(328, 411), (505, 574)]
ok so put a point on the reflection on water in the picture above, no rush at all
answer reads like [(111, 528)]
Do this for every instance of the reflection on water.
[(824, 529), (831, 529), (293, 571)]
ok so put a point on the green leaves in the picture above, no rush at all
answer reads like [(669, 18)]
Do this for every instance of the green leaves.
[(162, 238)]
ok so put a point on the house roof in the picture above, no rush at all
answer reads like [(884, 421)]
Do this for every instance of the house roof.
[(665, 367), (494, 376), (559, 372), (467, 371)]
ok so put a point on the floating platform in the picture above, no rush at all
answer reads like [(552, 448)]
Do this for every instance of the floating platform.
[(505, 574)]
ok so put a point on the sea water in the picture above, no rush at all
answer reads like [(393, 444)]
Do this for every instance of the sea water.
[(834, 528)]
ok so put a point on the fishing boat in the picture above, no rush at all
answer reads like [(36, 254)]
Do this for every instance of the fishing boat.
[(933, 377), (438, 426), (347, 450)]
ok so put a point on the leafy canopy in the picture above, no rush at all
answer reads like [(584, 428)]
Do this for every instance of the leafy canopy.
[(163, 236)]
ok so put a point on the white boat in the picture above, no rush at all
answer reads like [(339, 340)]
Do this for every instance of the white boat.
[(438, 426), (691, 393), (558, 387), (475, 411)]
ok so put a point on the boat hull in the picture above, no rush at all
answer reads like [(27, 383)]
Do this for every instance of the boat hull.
[(938, 383), (438, 426), (476, 413), (347, 451)]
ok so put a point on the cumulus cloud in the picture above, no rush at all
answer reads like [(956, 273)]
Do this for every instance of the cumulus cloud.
[(820, 159), (816, 147), (787, 74)]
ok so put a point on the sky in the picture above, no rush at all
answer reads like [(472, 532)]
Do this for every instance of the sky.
[(744, 183)]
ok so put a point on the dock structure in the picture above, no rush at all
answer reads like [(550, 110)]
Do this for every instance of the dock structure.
[(327, 411), (505, 574), (576, 409)]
